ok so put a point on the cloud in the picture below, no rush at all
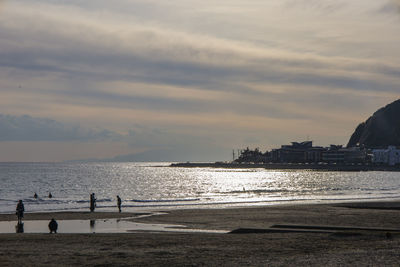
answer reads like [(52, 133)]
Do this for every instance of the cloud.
[(154, 54), (391, 7), (259, 70), (323, 6), (27, 128)]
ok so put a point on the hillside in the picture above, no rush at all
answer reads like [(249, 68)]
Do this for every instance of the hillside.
[(379, 130)]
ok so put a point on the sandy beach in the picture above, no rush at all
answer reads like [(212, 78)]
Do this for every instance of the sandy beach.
[(370, 240)]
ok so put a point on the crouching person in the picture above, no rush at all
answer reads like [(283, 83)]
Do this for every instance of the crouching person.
[(53, 225)]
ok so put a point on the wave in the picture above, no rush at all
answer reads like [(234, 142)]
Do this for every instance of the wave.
[(104, 200), (163, 200), (268, 191), (97, 200), (213, 203), (360, 198), (195, 202), (302, 191)]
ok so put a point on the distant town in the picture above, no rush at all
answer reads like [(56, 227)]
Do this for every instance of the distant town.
[(305, 156), (305, 152), (374, 145)]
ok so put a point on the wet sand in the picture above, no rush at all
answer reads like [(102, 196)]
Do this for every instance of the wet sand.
[(68, 216), (285, 248)]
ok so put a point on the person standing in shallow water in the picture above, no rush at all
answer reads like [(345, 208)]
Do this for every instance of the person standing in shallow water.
[(119, 201), (92, 202)]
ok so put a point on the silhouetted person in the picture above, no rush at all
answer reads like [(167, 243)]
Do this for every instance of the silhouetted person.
[(50, 195), (119, 201), (53, 225), (35, 195), (20, 211), (92, 202)]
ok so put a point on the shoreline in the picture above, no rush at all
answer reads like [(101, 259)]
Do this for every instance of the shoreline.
[(180, 216), (360, 213), (358, 246), (288, 166)]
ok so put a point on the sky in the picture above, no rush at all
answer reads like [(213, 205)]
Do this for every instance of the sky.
[(190, 80)]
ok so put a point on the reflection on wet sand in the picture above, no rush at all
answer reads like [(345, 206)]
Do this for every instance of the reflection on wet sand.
[(91, 226), (19, 228)]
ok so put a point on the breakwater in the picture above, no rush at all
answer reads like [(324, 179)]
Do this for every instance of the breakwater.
[(288, 166)]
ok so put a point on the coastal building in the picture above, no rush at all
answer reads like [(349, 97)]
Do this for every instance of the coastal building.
[(355, 155), (305, 152), (389, 156), (339, 154), (334, 154), (314, 154), (297, 152)]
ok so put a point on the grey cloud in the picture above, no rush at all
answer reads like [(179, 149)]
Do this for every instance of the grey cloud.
[(391, 7), (209, 77), (27, 128), (320, 5), (68, 52), (86, 59), (216, 78), (151, 56)]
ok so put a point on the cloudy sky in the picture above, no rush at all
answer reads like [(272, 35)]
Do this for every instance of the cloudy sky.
[(187, 79)]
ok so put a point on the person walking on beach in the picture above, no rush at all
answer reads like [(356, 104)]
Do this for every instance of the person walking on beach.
[(119, 201), (20, 211), (53, 225), (92, 202)]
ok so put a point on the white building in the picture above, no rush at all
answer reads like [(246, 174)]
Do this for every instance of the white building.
[(389, 156)]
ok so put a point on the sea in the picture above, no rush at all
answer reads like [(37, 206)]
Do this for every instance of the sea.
[(156, 186)]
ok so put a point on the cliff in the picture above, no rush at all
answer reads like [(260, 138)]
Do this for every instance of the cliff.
[(379, 130)]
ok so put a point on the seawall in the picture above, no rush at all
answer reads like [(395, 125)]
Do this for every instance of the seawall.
[(288, 166)]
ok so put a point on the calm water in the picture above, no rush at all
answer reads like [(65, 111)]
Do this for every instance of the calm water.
[(155, 185)]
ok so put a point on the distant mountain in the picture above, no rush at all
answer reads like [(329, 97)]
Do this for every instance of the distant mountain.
[(173, 155), (381, 129), (148, 156), (168, 155)]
